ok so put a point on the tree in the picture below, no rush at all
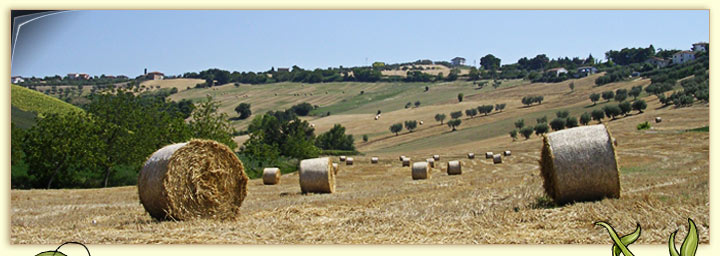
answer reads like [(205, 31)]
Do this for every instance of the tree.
[(639, 105), (485, 109), (608, 95), (408, 105), (557, 124), (541, 128), (598, 115), (635, 91), (454, 123), (526, 132), (611, 111), (302, 109), (500, 106), (410, 125), (335, 139), (513, 135), (490, 62), (365, 138), (440, 118), (571, 122), (539, 99), (61, 148), (456, 114), (396, 128), (621, 95), (471, 112), (541, 120), (594, 97), (519, 123), (474, 74), (460, 97), (585, 118), (281, 133), (208, 123), (625, 107), (243, 109), (453, 75), (562, 114), (572, 86), (417, 103)]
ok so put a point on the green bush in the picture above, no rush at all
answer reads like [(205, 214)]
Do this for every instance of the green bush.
[(643, 126)]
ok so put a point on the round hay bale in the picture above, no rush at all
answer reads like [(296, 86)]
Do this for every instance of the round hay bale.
[(195, 179), (336, 168), (349, 161), (471, 155), (454, 168), (436, 157), (658, 119), (401, 158), (421, 122), (488, 155), (317, 175), (420, 171), (271, 176), (507, 153), (377, 117), (431, 162), (374, 160), (406, 162), (497, 159), (342, 158), (579, 164)]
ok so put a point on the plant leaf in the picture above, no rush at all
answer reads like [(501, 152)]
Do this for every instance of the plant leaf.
[(671, 244), (689, 246), (51, 253), (615, 238), (627, 240)]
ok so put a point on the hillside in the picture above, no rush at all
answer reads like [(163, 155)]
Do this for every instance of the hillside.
[(27, 103)]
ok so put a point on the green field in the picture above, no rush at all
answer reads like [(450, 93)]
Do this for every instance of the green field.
[(32, 101)]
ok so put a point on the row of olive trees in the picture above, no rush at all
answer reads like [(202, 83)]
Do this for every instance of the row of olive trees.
[(618, 95)]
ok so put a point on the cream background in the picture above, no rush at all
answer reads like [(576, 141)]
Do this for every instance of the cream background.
[(137, 250)]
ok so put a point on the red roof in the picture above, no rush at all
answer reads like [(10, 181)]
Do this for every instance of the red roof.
[(156, 73)]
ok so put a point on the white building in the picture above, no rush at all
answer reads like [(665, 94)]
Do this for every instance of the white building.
[(701, 46), (682, 57), (16, 80), (557, 71), (155, 76), (458, 61)]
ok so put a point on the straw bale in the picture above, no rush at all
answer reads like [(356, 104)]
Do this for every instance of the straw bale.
[(579, 164), (317, 175), (507, 153), (271, 176), (336, 168), (420, 171), (195, 179), (454, 168), (431, 162), (658, 119), (406, 162), (342, 158), (471, 155), (374, 160), (488, 155), (497, 159), (401, 158), (349, 161), (436, 157)]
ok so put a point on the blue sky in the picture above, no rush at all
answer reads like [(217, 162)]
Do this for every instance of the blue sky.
[(174, 42)]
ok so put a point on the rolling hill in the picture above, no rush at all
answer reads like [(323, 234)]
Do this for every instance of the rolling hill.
[(26, 104)]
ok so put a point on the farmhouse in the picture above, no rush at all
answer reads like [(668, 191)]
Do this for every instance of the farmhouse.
[(78, 76), (682, 57), (660, 62), (584, 71), (283, 70), (557, 71), (700, 47), (155, 75), (16, 80), (458, 61)]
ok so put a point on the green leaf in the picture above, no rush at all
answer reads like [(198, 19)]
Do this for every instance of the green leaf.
[(671, 244), (689, 246), (627, 240), (50, 253), (615, 238)]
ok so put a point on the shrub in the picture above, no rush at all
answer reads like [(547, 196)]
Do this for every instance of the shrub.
[(594, 97), (485, 109), (519, 123), (456, 114), (454, 123), (526, 132), (365, 138), (460, 97), (541, 120), (621, 95), (557, 124), (608, 95), (643, 126), (625, 107), (410, 125), (417, 103), (243, 109), (408, 105), (471, 112), (585, 118), (612, 111), (440, 118), (562, 114), (513, 134), (635, 91), (302, 109)]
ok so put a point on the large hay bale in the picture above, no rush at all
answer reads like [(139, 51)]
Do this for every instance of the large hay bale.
[(374, 160), (579, 164), (342, 158), (454, 168), (336, 168), (658, 119), (507, 153), (471, 155), (401, 158), (349, 161), (488, 155), (497, 159), (317, 175), (431, 162), (196, 179), (406, 162), (271, 176), (436, 157), (420, 171)]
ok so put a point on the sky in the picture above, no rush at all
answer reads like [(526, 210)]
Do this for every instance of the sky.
[(174, 42)]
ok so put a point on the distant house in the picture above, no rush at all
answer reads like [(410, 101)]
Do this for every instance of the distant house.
[(682, 57), (700, 47), (283, 70), (557, 71), (155, 75), (16, 80), (75, 76), (660, 62), (584, 71), (458, 61), (85, 76)]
